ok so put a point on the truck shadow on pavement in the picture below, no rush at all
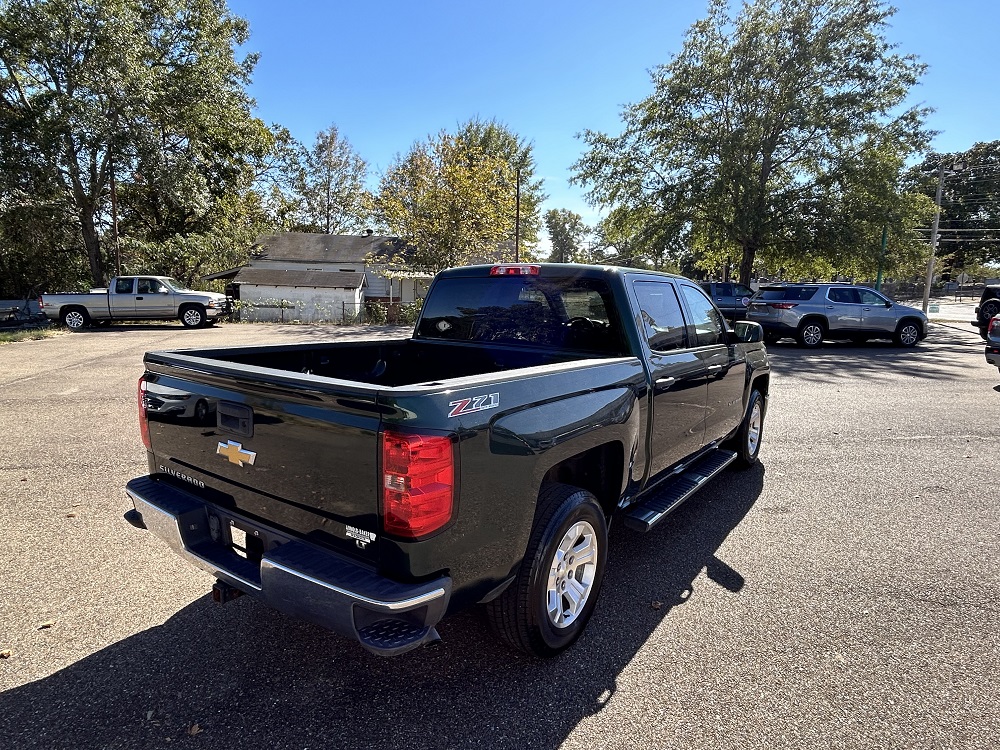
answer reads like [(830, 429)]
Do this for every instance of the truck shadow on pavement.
[(246, 675)]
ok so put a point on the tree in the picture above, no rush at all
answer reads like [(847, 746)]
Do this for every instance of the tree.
[(756, 132), (497, 140), (969, 232), (568, 234), (146, 91), (451, 201), (330, 186)]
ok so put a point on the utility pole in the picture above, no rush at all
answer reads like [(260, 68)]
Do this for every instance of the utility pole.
[(934, 237), (517, 216), (114, 217), (934, 228), (881, 257)]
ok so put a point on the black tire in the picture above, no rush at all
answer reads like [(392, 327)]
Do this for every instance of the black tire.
[(76, 318), (811, 333), (201, 410), (526, 614), (751, 432), (907, 334), (192, 316)]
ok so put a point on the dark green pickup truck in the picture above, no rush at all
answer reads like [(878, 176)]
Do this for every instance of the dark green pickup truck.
[(375, 487)]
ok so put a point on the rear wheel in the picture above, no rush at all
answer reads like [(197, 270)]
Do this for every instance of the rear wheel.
[(201, 410), (751, 431), (907, 334), (811, 334), (76, 318), (547, 606)]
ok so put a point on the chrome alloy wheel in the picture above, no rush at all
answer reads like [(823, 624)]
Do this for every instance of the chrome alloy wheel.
[(74, 319), (193, 317), (753, 428), (909, 335), (812, 334), (571, 575)]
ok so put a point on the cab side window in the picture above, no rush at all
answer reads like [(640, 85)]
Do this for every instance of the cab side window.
[(742, 291), (707, 326), (149, 286), (124, 286), (662, 319)]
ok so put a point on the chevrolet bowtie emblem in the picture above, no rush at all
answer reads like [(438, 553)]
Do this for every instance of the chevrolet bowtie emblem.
[(235, 453)]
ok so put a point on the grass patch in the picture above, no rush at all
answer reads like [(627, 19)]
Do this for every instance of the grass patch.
[(28, 334)]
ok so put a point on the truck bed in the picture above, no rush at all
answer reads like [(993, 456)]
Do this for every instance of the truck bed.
[(392, 363)]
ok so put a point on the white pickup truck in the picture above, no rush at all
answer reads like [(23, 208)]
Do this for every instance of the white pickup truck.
[(137, 298)]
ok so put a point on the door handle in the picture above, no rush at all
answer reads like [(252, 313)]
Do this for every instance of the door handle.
[(866, 309), (138, 298), (714, 368), (829, 307), (665, 382)]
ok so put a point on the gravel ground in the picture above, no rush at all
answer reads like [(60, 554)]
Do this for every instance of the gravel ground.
[(841, 595)]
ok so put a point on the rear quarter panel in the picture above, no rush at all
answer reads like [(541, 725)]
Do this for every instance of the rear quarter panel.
[(539, 420)]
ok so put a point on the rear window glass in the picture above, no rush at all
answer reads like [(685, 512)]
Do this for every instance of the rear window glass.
[(570, 313), (786, 293)]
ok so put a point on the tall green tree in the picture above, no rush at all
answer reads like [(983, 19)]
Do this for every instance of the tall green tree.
[(452, 200), (568, 235), (760, 125), (970, 204), (146, 91), (495, 139), (330, 186)]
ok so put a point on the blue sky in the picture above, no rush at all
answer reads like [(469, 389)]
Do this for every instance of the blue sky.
[(390, 73)]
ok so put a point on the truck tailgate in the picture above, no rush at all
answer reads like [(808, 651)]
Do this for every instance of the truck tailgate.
[(295, 452)]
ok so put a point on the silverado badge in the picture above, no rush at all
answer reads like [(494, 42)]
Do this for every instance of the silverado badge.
[(235, 453)]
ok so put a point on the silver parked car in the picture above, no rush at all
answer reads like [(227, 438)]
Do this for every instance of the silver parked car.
[(811, 313)]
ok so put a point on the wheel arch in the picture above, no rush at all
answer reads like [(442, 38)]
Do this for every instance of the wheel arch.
[(814, 318), (599, 470)]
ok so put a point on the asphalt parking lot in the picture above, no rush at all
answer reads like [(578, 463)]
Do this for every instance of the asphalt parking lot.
[(841, 595)]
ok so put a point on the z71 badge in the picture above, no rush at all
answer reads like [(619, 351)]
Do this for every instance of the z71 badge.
[(476, 403)]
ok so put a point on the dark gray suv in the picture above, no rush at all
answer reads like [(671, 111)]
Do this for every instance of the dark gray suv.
[(811, 313)]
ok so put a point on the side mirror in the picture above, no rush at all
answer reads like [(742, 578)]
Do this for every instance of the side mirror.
[(748, 333), (164, 291), (888, 304)]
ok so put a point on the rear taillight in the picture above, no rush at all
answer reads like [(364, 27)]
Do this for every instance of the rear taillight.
[(41, 303), (783, 305), (995, 324), (143, 419), (418, 483)]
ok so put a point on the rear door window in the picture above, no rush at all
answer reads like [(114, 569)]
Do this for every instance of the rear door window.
[(843, 296), (662, 319)]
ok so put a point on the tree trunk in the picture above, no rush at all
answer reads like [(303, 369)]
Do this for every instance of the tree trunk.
[(750, 248), (92, 243)]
